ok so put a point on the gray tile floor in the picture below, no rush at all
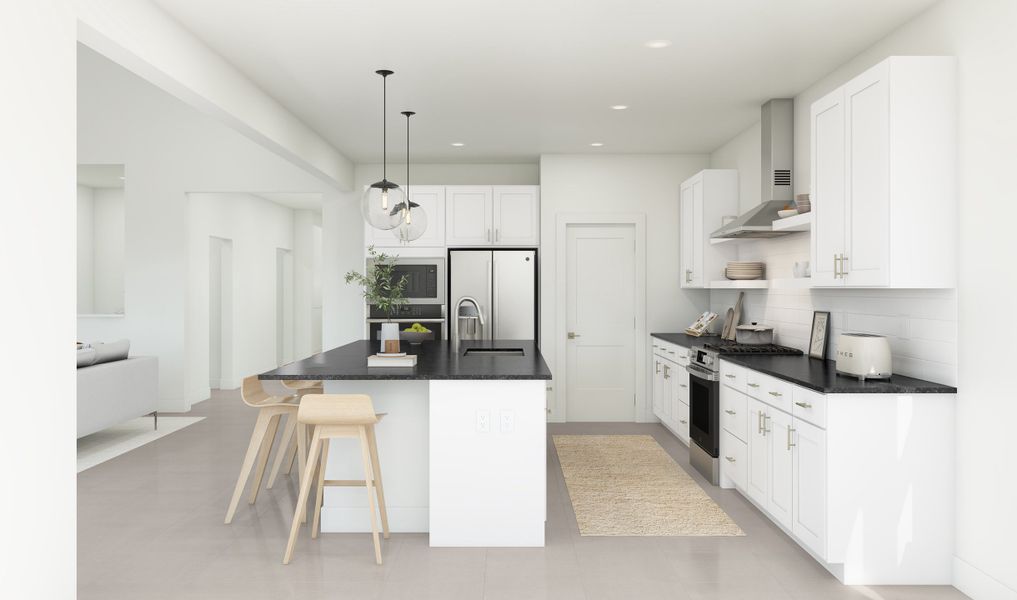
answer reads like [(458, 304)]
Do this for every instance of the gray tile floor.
[(150, 526)]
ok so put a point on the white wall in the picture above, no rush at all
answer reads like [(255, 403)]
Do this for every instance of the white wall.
[(256, 228), (108, 244), (451, 173), (37, 231), (168, 149), (307, 283), (980, 33), (742, 152), (86, 267), (647, 184)]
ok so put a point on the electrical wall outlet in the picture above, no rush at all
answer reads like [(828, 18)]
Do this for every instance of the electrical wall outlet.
[(508, 421), (483, 421)]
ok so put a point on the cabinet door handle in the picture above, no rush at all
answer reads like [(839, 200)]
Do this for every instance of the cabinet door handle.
[(729, 411), (790, 444), (836, 271), (497, 234), (682, 385), (730, 458), (759, 423), (775, 394), (688, 275), (843, 269), (489, 234), (755, 385), (683, 422), (803, 404), (765, 429), (729, 376), (657, 371)]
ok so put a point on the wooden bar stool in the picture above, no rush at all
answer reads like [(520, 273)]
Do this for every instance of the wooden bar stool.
[(339, 416), (270, 409), (289, 443)]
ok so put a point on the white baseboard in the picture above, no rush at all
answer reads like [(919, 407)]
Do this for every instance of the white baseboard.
[(357, 519), (978, 584)]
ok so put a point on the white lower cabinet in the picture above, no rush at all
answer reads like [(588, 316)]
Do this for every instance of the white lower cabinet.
[(670, 394), (682, 419), (780, 488), (808, 520), (759, 454), (734, 461)]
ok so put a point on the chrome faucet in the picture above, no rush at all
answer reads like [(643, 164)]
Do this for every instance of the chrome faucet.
[(468, 315)]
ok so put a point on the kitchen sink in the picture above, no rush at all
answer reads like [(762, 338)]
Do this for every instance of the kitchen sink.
[(494, 352)]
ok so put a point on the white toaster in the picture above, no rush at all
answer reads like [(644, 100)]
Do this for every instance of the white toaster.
[(864, 355)]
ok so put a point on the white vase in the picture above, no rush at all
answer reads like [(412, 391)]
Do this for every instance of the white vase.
[(389, 331)]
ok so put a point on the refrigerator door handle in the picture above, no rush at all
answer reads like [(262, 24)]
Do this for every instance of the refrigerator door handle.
[(494, 297), (490, 300)]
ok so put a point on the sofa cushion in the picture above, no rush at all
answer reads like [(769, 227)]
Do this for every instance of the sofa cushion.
[(111, 351), (86, 357)]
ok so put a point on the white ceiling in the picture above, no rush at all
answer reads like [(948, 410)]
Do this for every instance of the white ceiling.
[(295, 200), (516, 79), (101, 176)]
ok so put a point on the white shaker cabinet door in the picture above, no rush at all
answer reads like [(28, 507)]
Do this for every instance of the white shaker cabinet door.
[(809, 518), (780, 491), (867, 254), (516, 215), (828, 189), (759, 453), (468, 215), (688, 226)]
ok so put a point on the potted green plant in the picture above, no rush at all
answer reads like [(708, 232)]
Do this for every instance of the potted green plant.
[(380, 290)]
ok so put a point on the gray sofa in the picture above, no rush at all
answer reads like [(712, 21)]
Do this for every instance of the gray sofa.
[(113, 392)]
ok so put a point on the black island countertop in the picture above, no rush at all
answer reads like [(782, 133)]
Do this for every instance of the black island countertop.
[(815, 374), (435, 360)]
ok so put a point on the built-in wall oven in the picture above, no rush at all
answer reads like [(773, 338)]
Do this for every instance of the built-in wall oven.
[(704, 413)]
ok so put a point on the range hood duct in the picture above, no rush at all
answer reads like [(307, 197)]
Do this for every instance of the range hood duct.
[(777, 125)]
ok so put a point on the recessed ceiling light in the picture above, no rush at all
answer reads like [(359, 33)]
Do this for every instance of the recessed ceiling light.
[(597, 144), (655, 44), (458, 144), (619, 107)]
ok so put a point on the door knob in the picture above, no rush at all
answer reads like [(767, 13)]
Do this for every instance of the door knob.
[(573, 335)]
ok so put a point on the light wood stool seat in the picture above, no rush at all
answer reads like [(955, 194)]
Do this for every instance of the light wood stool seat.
[(339, 416), (270, 410)]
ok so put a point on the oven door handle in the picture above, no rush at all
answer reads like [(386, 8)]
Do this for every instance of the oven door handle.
[(701, 373)]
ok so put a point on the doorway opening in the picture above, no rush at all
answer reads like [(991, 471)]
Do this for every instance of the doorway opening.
[(283, 306), (220, 313)]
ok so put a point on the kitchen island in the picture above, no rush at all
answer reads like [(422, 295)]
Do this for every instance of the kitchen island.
[(462, 447)]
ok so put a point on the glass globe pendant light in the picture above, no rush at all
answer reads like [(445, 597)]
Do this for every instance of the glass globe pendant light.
[(380, 197), (412, 218)]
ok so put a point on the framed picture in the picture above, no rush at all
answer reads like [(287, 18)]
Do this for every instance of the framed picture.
[(820, 331)]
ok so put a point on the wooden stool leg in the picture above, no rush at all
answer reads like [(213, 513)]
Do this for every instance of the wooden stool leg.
[(322, 462), (377, 479), (266, 449), (365, 452), (304, 460), (305, 490), (284, 447), (257, 436), (293, 454)]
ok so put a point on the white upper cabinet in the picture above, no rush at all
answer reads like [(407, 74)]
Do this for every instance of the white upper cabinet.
[(884, 185), (517, 215), (469, 215), (431, 199), (705, 199), (504, 215)]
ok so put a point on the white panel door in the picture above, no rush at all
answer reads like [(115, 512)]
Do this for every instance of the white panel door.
[(759, 453), (683, 422), (809, 515), (431, 199), (516, 215), (828, 189), (600, 316), (780, 491), (468, 215), (867, 103), (687, 227)]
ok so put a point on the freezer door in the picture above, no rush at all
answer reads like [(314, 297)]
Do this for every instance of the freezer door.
[(470, 273), (515, 301)]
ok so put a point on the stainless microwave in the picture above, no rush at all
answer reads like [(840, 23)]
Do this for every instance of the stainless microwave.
[(425, 279)]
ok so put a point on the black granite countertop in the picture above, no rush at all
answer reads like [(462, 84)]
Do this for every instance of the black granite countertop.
[(435, 360), (821, 375), (684, 339)]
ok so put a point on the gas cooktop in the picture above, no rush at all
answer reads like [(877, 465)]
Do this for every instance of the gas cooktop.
[(727, 347)]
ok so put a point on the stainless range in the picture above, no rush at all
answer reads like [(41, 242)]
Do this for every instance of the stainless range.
[(704, 399)]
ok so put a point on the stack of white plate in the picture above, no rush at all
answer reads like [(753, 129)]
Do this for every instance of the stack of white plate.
[(744, 270)]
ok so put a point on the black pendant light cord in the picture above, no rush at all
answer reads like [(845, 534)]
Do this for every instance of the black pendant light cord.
[(384, 122), (408, 113)]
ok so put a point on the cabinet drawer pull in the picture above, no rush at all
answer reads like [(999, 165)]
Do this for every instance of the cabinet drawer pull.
[(682, 385), (803, 404), (755, 385), (683, 422), (730, 458), (729, 411), (777, 394), (730, 376)]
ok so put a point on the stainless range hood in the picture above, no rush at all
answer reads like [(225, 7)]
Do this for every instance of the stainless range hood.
[(777, 121)]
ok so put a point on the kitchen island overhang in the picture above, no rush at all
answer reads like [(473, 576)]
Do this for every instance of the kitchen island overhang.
[(462, 448)]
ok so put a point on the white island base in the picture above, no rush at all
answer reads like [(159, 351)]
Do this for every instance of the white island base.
[(464, 460)]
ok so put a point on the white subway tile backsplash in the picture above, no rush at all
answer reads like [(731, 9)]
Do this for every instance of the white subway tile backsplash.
[(920, 324)]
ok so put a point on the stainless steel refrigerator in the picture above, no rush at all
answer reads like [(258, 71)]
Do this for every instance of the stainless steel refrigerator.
[(503, 285)]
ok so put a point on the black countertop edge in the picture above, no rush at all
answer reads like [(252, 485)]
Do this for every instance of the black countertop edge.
[(822, 376), (435, 361), (684, 339)]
